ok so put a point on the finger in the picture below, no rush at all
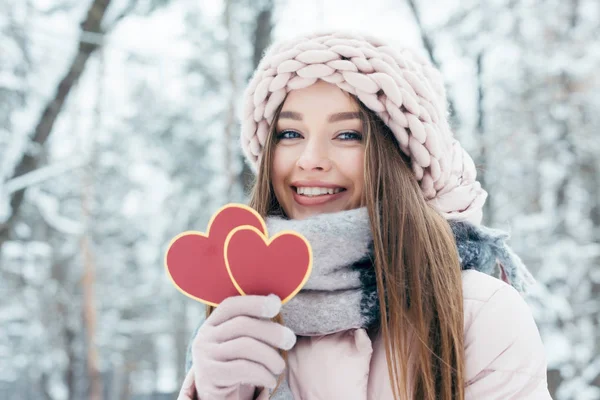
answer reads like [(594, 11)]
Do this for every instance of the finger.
[(250, 349), (188, 388), (252, 306), (231, 373), (269, 332)]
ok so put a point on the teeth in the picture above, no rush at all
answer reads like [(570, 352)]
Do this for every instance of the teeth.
[(316, 191)]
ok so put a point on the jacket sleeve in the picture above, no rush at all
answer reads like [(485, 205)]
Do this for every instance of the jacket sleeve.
[(504, 354)]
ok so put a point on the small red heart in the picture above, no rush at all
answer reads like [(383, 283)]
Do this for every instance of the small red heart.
[(260, 266), (194, 260)]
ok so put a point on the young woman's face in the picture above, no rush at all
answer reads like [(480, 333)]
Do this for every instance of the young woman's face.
[(318, 164)]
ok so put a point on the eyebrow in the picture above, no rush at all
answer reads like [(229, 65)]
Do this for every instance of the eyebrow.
[(332, 118)]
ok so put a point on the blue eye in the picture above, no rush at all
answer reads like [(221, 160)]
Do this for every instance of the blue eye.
[(288, 135), (350, 136)]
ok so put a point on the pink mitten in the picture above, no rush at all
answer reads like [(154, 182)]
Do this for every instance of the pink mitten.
[(235, 349)]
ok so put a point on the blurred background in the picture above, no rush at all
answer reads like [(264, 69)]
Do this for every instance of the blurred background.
[(119, 130)]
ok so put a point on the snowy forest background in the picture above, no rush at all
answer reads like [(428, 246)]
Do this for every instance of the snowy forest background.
[(118, 131)]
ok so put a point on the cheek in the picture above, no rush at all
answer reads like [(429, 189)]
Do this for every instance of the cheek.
[(279, 169), (352, 164)]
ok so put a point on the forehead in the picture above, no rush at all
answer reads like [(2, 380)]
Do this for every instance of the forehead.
[(320, 98)]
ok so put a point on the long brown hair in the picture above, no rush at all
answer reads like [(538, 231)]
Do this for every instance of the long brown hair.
[(416, 264)]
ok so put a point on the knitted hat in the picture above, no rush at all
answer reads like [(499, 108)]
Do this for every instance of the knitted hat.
[(399, 86)]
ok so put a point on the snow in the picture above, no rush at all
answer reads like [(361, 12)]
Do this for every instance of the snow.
[(144, 129), (43, 173), (382, 19), (49, 208), (5, 209)]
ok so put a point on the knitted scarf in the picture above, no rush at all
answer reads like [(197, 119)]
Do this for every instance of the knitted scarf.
[(341, 293)]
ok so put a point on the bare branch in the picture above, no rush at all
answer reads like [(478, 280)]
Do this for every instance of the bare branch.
[(42, 174), (457, 18), (29, 162), (428, 44), (57, 8), (128, 10)]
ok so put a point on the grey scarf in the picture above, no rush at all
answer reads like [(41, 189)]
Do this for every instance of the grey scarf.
[(341, 292)]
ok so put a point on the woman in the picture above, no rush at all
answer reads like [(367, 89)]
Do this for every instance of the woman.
[(352, 148)]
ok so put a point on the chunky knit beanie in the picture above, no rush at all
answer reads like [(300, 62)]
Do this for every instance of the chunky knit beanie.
[(398, 85)]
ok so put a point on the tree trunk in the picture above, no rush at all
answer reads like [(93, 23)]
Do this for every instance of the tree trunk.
[(428, 44), (231, 180), (263, 29), (125, 389), (89, 304), (482, 161), (29, 162), (89, 277), (70, 375), (181, 336)]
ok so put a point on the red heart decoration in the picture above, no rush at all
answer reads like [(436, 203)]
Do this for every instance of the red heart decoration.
[(194, 260), (260, 266)]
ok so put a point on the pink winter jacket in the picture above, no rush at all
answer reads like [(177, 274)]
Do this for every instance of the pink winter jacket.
[(504, 354)]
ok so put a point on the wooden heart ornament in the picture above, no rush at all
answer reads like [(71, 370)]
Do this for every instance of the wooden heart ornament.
[(260, 266), (194, 260)]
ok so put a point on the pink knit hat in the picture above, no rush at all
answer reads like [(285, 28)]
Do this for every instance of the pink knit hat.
[(403, 89)]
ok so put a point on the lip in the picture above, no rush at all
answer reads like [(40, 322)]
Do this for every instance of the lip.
[(316, 200), (316, 184)]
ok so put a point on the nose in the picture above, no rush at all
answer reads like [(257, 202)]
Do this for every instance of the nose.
[(315, 156)]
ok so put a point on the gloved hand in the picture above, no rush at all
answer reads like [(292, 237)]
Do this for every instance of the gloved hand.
[(234, 351)]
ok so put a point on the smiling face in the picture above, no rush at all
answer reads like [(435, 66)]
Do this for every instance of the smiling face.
[(318, 159)]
